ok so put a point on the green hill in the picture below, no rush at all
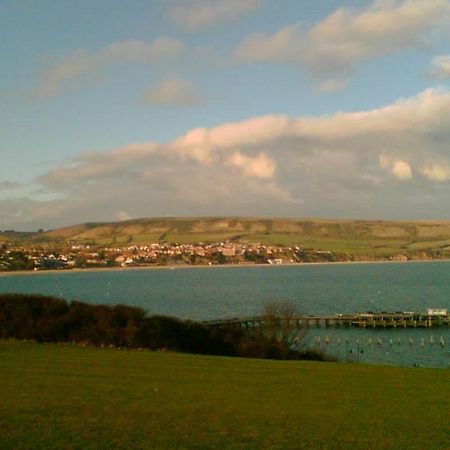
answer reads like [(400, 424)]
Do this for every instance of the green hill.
[(367, 237), (356, 237), (56, 397)]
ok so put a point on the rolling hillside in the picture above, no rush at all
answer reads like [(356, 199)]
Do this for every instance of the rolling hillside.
[(368, 237)]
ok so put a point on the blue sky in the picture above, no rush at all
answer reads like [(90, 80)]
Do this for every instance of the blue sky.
[(118, 109)]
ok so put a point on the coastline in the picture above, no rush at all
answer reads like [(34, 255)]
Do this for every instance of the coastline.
[(205, 266)]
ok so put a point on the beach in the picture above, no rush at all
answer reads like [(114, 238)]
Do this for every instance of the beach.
[(212, 266)]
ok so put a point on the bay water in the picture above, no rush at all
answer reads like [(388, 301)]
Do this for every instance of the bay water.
[(230, 291)]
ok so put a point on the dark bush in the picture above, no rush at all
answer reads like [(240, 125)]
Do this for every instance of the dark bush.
[(49, 319)]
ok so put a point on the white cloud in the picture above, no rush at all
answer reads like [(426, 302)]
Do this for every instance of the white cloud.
[(440, 67), (172, 91), (401, 169), (384, 162), (437, 172), (122, 216), (337, 44), (260, 166), (195, 15), (81, 63)]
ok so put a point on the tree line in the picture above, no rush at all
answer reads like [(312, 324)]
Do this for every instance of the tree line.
[(49, 319)]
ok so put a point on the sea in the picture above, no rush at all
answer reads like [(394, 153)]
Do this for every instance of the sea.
[(205, 293)]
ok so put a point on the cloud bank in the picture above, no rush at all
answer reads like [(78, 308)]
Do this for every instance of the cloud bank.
[(389, 162), (335, 46)]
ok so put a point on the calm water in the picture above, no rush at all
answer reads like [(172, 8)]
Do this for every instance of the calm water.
[(205, 293)]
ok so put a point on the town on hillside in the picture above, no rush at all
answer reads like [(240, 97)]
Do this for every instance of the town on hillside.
[(70, 255)]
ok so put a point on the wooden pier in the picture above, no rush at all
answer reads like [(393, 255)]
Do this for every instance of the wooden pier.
[(431, 318)]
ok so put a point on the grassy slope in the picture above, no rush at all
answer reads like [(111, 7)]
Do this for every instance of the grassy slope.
[(357, 237), (85, 398)]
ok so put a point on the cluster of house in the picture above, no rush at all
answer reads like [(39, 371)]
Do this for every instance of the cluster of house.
[(72, 255)]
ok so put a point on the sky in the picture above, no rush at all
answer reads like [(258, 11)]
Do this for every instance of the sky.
[(121, 109)]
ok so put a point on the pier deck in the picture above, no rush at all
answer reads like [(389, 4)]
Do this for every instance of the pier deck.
[(363, 320)]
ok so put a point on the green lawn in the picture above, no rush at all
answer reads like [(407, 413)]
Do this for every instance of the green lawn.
[(427, 245), (63, 397), (189, 238)]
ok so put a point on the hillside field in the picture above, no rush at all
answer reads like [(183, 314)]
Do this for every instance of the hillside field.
[(67, 397), (365, 238)]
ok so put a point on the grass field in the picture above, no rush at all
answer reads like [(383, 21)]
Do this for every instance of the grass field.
[(64, 397)]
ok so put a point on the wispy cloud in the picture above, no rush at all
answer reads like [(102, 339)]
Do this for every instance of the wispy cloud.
[(82, 63), (196, 15), (172, 91), (336, 45), (331, 85)]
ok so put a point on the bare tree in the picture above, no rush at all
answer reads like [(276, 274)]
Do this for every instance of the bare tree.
[(282, 325)]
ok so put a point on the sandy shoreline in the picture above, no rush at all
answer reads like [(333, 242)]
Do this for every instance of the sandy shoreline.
[(204, 266)]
